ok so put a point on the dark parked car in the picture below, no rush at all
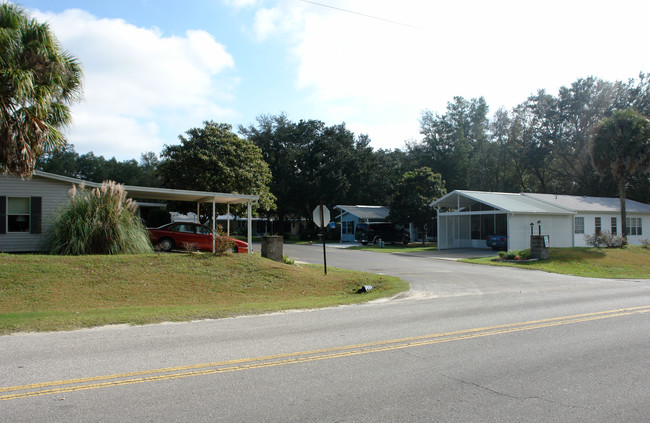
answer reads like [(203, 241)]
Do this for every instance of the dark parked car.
[(387, 232), (190, 235), (497, 242)]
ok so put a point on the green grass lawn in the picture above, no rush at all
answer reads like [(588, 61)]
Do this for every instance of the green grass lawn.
[(631, 262), (398, 248), (45, 293)]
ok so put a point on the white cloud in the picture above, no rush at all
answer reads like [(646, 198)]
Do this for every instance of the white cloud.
[(433, 51), (239, 4), (137, 80)]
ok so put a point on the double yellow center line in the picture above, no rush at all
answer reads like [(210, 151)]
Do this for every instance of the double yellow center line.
[(154, 375)]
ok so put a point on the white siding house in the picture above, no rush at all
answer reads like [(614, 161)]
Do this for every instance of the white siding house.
[(465, 218)]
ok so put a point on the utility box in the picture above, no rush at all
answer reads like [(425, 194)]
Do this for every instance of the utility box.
[(272, 247), (540, 247)]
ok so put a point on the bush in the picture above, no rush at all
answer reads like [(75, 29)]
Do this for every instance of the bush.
[(515, 255), (645, 243), (223, 245), (604, 239), (103, 221)]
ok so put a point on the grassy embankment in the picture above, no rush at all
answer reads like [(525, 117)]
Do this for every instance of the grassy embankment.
[(631, 262), (45, 293)]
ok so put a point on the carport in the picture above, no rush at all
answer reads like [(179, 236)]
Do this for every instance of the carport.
[(466, 218), (199, 197), (33, 185)]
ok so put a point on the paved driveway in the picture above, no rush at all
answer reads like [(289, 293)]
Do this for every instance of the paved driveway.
[(438, 274)]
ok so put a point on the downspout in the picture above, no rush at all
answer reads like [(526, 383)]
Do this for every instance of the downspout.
[(573, 230)]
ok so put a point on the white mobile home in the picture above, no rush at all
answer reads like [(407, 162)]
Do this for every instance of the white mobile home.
[(466, 218)]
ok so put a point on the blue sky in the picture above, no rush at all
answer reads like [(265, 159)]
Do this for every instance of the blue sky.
[(155, 68)]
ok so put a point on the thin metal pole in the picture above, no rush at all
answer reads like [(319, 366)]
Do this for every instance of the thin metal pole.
[(322, 229)]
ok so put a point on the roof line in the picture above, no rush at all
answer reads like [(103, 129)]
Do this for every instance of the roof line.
[(207, 196)]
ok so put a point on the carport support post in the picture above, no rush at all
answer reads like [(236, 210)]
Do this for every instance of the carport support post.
[(214, 200), (228, 219), (250, 228)]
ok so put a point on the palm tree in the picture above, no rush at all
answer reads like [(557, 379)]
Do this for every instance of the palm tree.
[(621, 145), (38, 81)]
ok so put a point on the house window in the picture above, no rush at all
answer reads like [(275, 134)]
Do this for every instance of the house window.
[(633, 226), (348, 227), (579, 225), (597, 224), (18, 214), (614, 226)]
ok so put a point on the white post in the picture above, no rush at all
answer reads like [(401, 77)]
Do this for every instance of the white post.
[(214, 219), (250, 228), (438, 228), (228, 219)]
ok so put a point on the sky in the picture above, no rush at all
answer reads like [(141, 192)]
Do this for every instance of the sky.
[(156, 68)]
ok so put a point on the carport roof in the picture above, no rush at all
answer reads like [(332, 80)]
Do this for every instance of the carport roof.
[(366, 212), (502, 201), (162, 193)]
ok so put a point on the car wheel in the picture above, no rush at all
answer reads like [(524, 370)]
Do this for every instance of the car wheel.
[(364, 243), (234, 249), (166, 244)]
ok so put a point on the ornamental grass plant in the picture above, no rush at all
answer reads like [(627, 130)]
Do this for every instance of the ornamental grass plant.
[(99, 221)]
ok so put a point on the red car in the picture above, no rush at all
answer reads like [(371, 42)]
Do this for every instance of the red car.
[(190, 235)]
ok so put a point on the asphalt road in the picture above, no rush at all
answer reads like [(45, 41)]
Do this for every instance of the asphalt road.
[(469, 343)]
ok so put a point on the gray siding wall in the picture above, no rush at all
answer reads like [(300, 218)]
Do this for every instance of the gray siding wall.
[(53, 193)]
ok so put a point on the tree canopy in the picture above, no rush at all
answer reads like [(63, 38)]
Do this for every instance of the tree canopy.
[(414, 193), (621, 146), (38, 82), (213, 158), (312, 162)]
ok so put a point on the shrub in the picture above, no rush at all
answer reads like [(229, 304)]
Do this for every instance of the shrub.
[(102, 221), (604, 239), (223, 245), (645, 243), (515, 255)]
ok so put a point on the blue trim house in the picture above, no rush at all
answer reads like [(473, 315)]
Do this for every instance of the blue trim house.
[(352, 215)]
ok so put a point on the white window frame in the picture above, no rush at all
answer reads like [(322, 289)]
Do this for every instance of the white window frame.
[(579, 225), (28, 215), (633, 226)]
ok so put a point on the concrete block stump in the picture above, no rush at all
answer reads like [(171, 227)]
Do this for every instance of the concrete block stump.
[(272, 247), (540, 247)]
